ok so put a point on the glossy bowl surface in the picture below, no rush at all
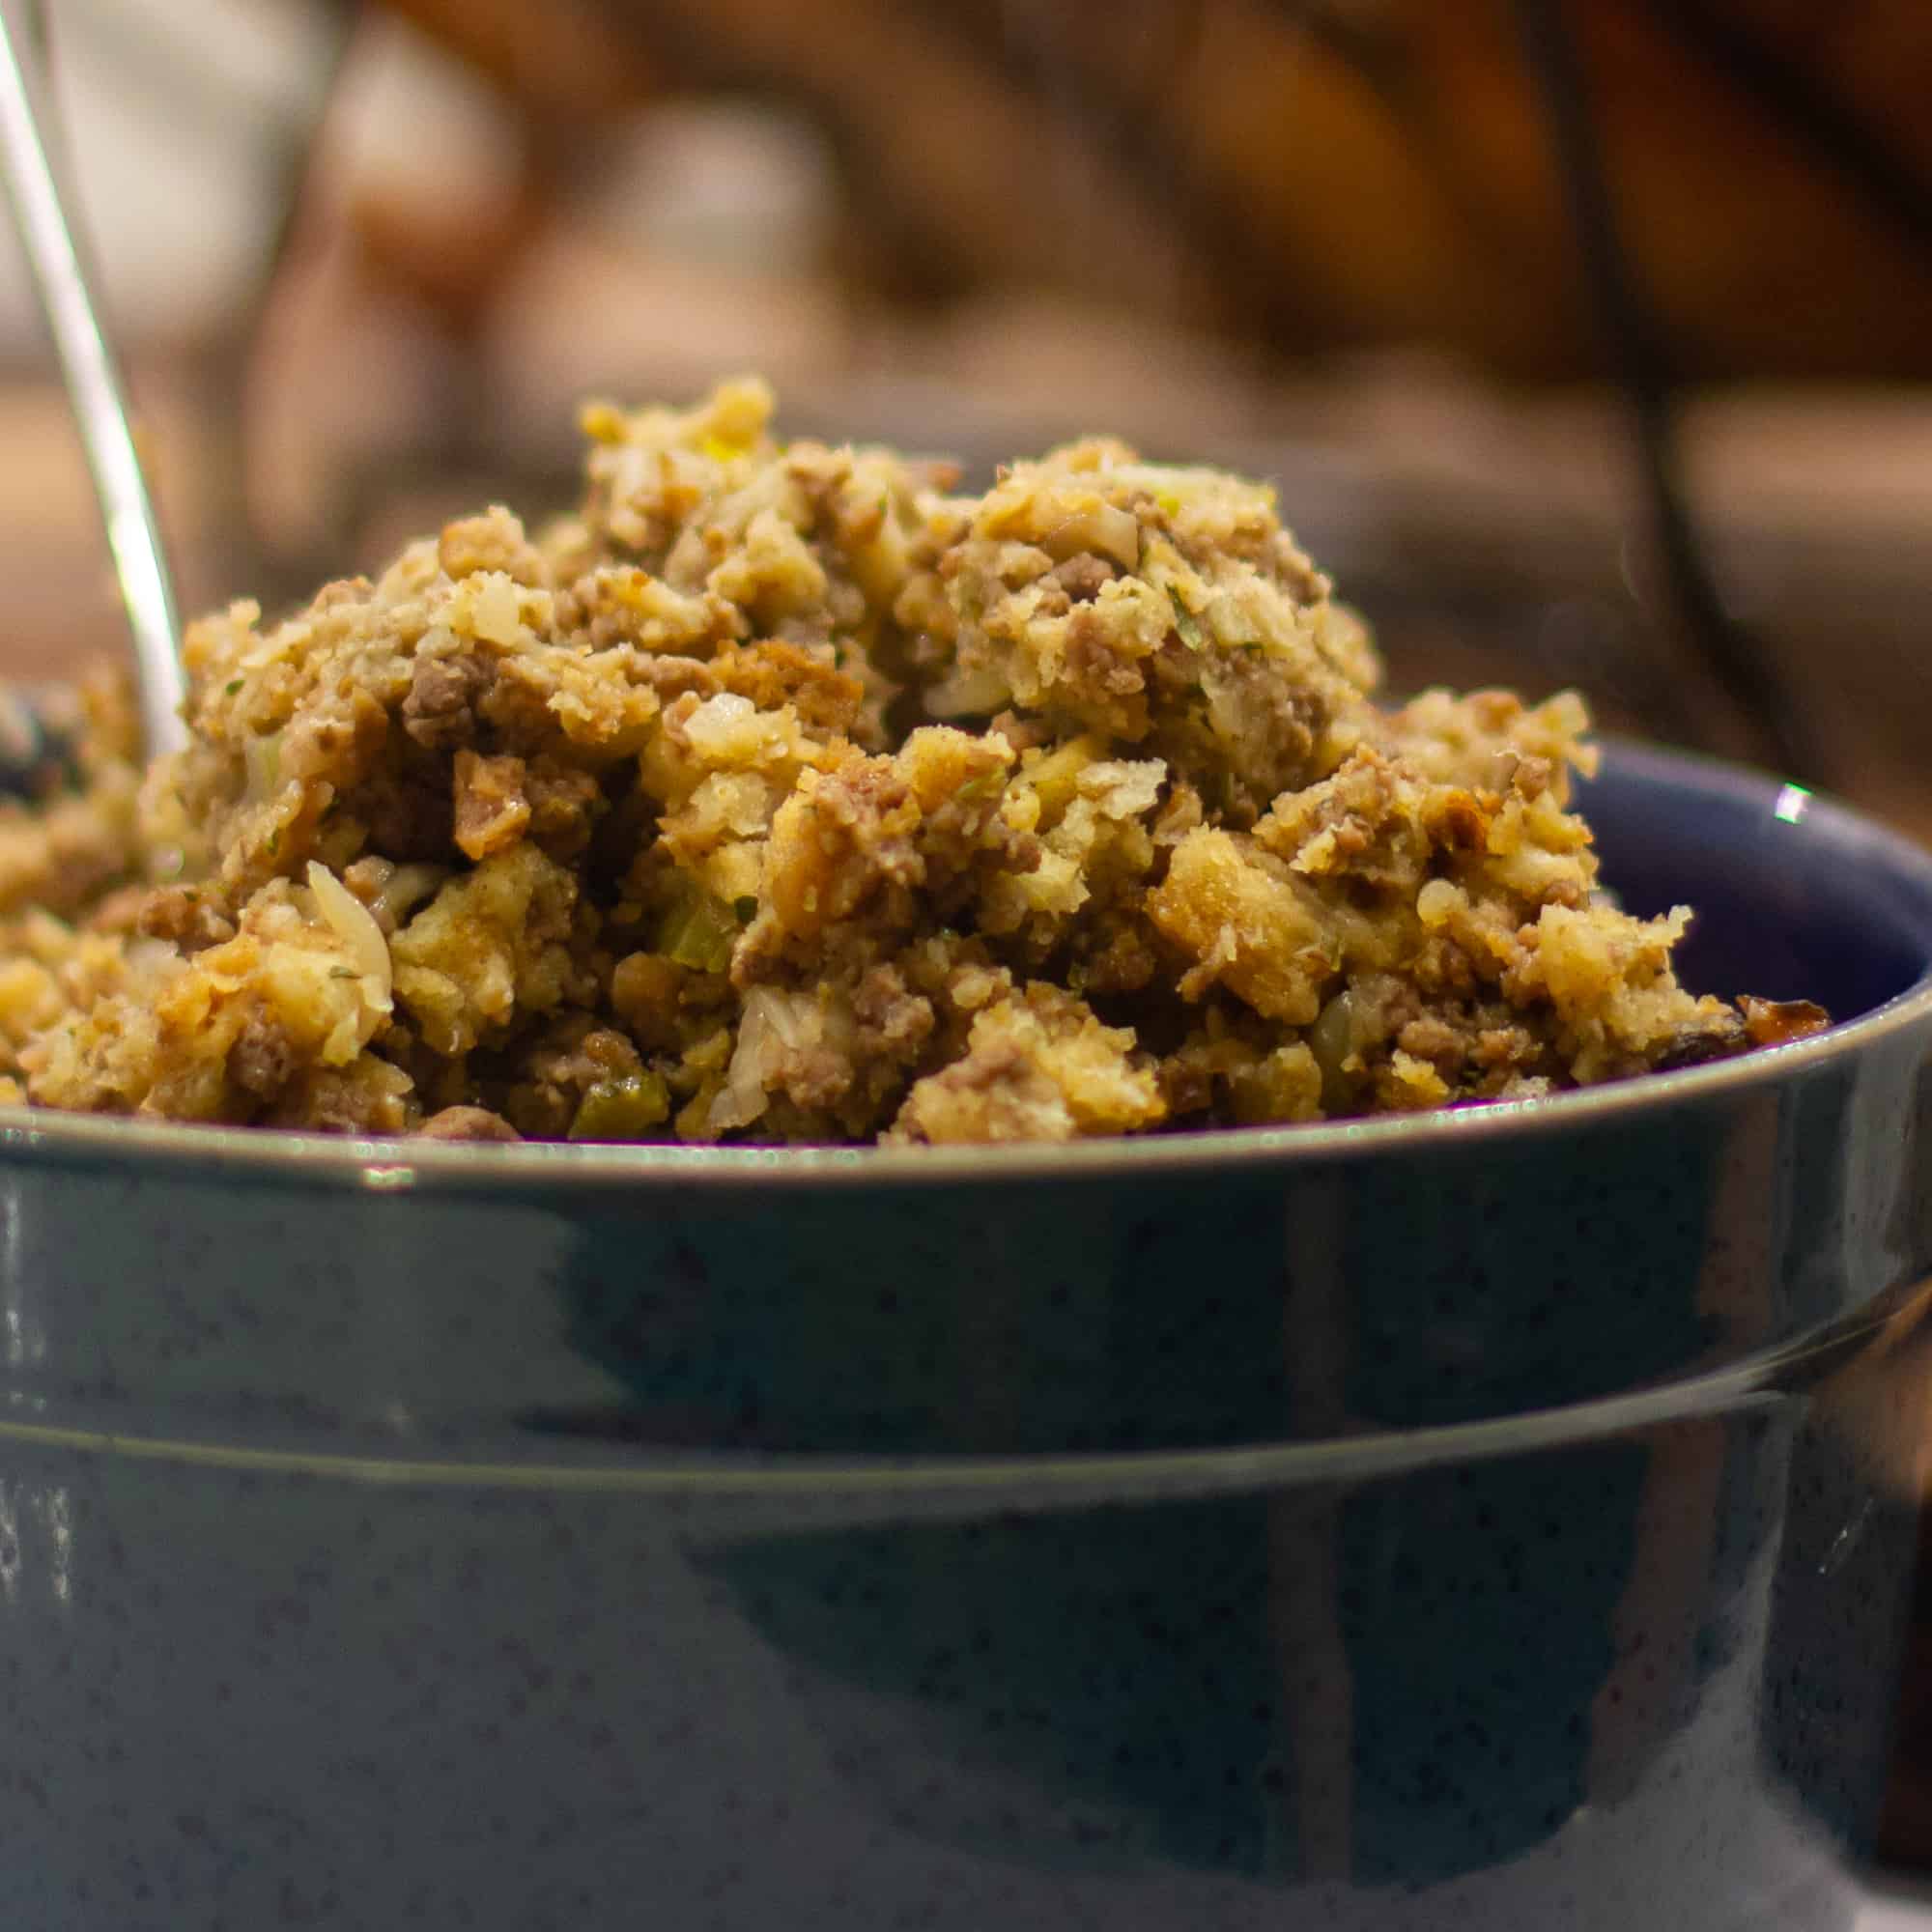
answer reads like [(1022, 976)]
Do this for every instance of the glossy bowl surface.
[(1497, 1519)]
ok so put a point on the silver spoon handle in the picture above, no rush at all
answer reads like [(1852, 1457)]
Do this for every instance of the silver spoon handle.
[(30, 165)]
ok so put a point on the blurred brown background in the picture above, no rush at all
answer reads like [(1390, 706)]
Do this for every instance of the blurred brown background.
[(1655, 419), (366, 258)]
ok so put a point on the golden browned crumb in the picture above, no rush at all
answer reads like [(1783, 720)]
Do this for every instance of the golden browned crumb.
[(602, 833)]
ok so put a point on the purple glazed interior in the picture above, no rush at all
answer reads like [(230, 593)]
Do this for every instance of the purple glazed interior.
[(1796, 898)]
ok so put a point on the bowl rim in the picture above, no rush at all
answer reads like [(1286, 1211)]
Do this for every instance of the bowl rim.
[(362, 1164)]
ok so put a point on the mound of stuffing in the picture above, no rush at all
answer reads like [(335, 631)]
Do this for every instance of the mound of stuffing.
[(783, 794)]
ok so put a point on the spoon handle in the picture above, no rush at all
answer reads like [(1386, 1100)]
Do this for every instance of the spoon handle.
[(31, 164)]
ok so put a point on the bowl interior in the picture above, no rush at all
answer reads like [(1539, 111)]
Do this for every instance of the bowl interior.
[(1794, 897)]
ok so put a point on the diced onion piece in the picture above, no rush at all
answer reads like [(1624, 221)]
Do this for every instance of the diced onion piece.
[(1092, 525), (775, 1026), (262, 756), (969, 693), (351, 923), (405, 889)]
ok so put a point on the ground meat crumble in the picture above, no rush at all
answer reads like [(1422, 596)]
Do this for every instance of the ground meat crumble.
[(783, 795)]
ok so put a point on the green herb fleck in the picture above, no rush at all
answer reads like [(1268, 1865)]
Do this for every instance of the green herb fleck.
[(624, 1109), (698, 931), (982, 786), (746, 907), (1186, 623), (233, 685), (274, 841), (343, 972)]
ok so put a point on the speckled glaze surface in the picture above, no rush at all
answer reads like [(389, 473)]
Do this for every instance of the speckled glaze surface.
[(1493, 1522)]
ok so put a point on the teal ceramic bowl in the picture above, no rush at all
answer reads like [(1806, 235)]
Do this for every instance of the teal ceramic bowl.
[(1497, 1519)]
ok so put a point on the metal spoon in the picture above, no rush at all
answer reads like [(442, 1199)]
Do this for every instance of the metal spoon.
[(32, 166)]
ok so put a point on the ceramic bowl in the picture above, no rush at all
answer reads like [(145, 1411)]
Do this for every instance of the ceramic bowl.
[(1497, 1519)]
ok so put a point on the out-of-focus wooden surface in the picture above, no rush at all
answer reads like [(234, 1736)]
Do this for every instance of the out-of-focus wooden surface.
[(1339, 173)]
